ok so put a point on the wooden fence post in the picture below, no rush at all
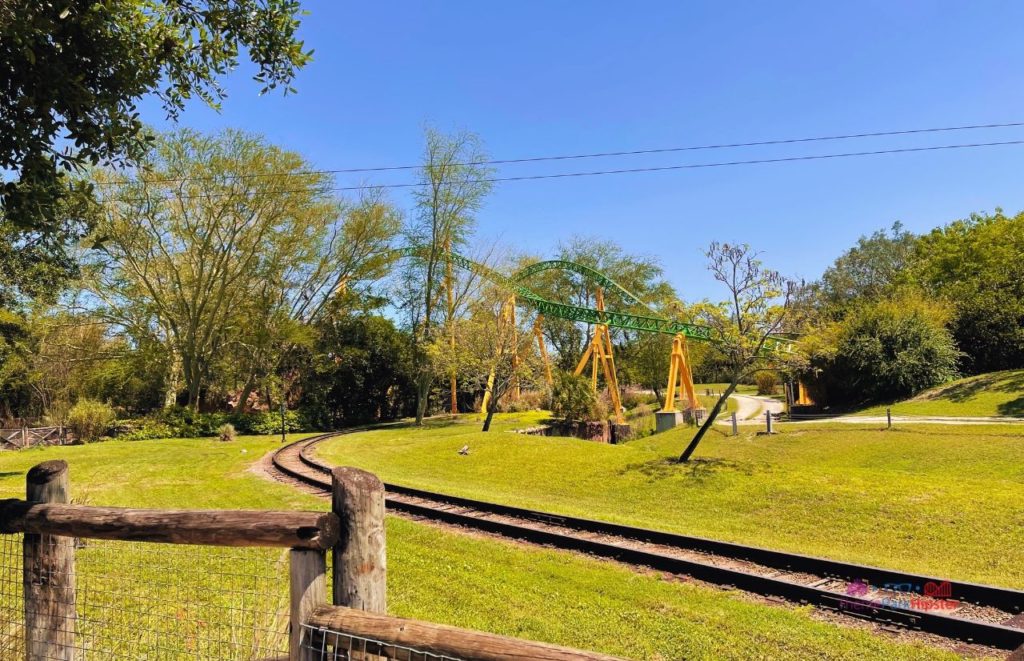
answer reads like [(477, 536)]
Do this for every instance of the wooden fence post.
[(48, 575), (307, 571), (360, 557)]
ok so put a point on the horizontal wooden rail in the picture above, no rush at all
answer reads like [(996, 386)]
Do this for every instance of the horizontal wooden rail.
[(440, 639), (298, 530)]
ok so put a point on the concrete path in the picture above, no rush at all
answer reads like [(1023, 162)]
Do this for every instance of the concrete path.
[(923, 419), (750, 409)]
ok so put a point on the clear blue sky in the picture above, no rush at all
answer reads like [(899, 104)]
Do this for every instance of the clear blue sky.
[(538, 78)]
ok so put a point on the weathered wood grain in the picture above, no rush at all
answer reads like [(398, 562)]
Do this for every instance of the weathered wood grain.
[(443, 640), (48, 576), (308, 589), (360, 557), (304, 530)]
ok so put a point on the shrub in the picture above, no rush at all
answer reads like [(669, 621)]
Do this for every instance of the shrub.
[(269, 422), (572, 398), (529, 400), (89, 419), (634, 398), (226, 432), (142, 429), (767, 383), (888, 350)]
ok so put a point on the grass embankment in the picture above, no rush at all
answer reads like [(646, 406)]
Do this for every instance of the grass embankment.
[(940, 501), (434, 574), (993, 394)]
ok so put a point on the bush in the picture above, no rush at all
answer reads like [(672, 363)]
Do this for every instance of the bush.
[(634, 398), (226, 432), (529, 400), (142, 429), (89, 419), (269, 422), (572, 398), (180, 422), (887, 351), (767, 383)]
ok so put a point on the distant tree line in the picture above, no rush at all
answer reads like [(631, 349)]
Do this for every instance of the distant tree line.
[(901, 312)]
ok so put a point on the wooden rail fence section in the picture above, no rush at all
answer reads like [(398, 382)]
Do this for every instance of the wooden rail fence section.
[(22, 437), (353, 532)]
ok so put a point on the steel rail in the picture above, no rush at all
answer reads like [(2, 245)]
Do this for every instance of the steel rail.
[(974, 631)]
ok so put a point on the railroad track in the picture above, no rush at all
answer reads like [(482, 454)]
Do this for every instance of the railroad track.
[(969, 612)]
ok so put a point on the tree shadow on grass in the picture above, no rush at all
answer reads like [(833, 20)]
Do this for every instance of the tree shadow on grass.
[(697, 469), (998, 381), (1014, 407)]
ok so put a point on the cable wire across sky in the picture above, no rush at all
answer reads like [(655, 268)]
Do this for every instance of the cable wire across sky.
[(650, 169), (633, 152)]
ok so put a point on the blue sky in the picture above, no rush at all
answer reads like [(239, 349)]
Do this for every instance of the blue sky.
[(541, 78)]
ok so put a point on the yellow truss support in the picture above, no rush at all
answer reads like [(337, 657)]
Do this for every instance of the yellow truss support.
[(599, 352), (539, 334), (680, 378), (508, 316), (803, 398)]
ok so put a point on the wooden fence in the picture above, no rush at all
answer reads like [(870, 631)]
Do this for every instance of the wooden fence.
[(22, 437), (319, 628)]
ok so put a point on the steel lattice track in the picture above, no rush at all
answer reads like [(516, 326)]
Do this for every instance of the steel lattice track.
[(794, 577)]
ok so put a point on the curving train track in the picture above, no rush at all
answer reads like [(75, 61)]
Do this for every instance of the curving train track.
[(969, 612)]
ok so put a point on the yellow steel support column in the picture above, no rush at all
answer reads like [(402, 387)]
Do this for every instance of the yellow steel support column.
[(538, 333), (680, 379), (516, 389), (506, 316), (599, 352)]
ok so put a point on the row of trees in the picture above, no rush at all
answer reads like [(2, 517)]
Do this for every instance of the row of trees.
[(225, 273), (901, 312)]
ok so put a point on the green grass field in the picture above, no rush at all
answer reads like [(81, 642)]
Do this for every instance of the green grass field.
[(434, 574), (993, 394), (944, 501)]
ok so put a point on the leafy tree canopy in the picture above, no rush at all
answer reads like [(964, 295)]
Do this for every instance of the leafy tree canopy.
[(74, 72)]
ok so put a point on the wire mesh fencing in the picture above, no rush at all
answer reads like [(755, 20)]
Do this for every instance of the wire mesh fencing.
[(140, 600), (332, 645)]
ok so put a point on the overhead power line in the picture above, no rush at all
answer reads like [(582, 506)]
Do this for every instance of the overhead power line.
[(662, 168), (633, 152)]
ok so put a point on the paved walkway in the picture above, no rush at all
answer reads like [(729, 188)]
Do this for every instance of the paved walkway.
[(750, 409)]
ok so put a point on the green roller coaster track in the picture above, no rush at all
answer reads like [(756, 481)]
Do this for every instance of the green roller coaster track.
[(624, 320)]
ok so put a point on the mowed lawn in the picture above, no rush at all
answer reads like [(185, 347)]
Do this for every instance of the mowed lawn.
[(993, 394), (940, 500), (434, 574)]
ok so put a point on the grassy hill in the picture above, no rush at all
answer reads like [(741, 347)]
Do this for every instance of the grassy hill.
[(433, 573), (993, 394), (941, 501)]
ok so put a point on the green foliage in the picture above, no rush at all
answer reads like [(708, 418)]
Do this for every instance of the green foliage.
[(226, 432), (293, 244), (143, 429), (76, 70), (90, 419), (359, 370), (641, 275), (973, 263), (869, 271), (888, 350), (573, 398), (767, 383), (183, 422)]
